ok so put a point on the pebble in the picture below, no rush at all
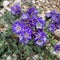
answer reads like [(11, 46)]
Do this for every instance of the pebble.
[(9, 58), (42, 0), (57, 32), (58, 54), (33, 1), (5, 5), (35, 57), (2, 11), (17, 2)]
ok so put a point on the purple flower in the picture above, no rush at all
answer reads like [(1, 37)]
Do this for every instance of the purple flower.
[(40, 23), (17, 27), (50, 14), (57, 24), (25, 36), (25, 16), (33, 21), (54, 15), (21, 37), (57, 47), (58, 17), (54, 18), (15, 10), (40, 38), (51, 27), (32, 11)]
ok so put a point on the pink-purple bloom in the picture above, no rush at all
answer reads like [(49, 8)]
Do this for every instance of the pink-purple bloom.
[(54, 15), (40, 23), (25, 36), (15, 10), (40, 38), (32, 11), (57, 24), (54, 24), (25, 16), (57, 47), (17, 27), (51, 27)]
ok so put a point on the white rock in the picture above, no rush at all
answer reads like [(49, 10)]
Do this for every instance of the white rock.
[(47, 1), (2, 11), (42, 0), (58, 54), (17, 2), (35, 57), (8, 58), (6, 3), (33, 1), (57, 32), (54, 53)]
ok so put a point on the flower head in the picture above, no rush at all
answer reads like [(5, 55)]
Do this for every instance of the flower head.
[(25, 16), (17, 27), (54, 15), (40, 23), (25, 36), (51, 27), (57, 47), (40, 38), (32, 11), (15, 10), (33, 21)]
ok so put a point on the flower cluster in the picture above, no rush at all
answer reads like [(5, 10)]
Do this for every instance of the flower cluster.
[(54, 24), (31, 26), (55, 20)]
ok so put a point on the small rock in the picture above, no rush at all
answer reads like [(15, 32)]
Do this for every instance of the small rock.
[(33, 1), (42, 0), (35, 57), (6, 3), (8, 58), (17, 2), (58, 54), (2, 11), (57, 33)]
